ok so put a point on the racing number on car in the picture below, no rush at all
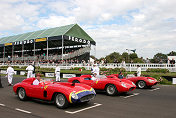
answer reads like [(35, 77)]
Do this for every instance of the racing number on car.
[(45, 87)]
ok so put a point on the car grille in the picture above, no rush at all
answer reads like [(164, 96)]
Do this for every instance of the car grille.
[(87, 98), (131, 88)]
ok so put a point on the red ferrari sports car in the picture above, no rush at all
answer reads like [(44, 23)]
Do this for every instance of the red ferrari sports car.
[(61, 93), (110, 85), (141, 82)]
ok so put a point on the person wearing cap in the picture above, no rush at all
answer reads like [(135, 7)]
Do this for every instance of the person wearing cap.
[(30, 70), (57, 73), (10, 72), (37, 80), (96, 69)]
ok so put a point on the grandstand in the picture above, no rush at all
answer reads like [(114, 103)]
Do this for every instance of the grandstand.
[(66, 43)]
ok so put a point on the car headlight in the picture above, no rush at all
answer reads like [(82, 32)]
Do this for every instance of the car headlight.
[(133, 83), (74, 95), (93, 90), (150, 80), (123, 84)]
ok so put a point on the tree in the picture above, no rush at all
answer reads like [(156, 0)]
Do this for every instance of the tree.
[(133, 56), (172, 53), (159, 57), (125, 56), (111, 57)]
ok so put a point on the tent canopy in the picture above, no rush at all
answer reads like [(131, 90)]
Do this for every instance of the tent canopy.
[(73, 33)]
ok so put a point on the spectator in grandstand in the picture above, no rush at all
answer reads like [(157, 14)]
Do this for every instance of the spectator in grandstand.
[(138, 71), (10, 72), (57, 73), (30, 70)]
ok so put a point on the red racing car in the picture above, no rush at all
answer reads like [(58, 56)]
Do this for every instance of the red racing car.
[(141, 82), (110, 85), (61, 93)]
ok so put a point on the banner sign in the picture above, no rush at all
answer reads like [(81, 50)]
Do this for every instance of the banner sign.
[(24, 42), (22, 72), (41, 39), (7, 44), (3, 71), (78, 40), (173, 80), (69, 75), (49, 74)]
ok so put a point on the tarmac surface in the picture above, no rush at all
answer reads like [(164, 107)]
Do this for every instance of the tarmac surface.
[(158, 102)]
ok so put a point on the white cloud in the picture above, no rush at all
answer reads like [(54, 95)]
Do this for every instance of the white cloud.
[(54, 21), (145, 25)]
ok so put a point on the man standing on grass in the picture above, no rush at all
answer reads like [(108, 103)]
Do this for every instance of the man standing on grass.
[(57, 73), (30, 70), (138, 71)]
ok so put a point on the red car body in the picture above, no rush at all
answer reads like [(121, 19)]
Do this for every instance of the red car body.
[(148, 81), (47, 90), (102, 83)]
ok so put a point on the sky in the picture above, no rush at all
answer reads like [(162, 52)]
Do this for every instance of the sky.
[(149, 26)]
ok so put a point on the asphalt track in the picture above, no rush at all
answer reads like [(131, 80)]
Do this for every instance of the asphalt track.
[(158, 102)]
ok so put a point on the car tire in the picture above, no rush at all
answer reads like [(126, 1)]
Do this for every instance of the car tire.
[(111, 90), (141, 84), (22, 94), (61, 101), (75, 81)]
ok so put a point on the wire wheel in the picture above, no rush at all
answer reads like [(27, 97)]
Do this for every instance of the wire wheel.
[(141, 84), (61, 101), (22, 94), (111, 89)]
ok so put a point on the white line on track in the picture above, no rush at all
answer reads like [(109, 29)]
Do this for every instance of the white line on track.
[(2, 104), (22, 110), (96, 105), (134, 94), (154, 89)]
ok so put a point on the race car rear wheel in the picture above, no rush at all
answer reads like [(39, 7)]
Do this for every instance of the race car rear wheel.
[(111, 89), (141, 84), (22, 94), (61, 101), (75, 81)]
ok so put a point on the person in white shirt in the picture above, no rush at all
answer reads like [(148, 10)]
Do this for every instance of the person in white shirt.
[(138, 71), (94, 77), (10, 72), (30, 70), (37, 80), (57, 73), (96, 69)]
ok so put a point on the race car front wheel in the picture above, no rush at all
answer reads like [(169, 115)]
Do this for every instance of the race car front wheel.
[(61, 101), (141, 84), (22, 94), (111, 89)]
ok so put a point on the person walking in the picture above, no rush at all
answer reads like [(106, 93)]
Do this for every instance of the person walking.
[(57, 73), (30, 70), (10, 72), (138, 71)]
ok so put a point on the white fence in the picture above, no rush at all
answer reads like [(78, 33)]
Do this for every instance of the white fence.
[(127, 66)]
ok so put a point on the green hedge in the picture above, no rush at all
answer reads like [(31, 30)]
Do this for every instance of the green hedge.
[(78, 68), (157, 70)]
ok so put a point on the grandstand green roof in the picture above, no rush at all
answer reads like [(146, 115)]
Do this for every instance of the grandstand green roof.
[(73, 30)]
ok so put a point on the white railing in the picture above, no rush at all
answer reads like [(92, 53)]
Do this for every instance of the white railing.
[(127, 66)]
